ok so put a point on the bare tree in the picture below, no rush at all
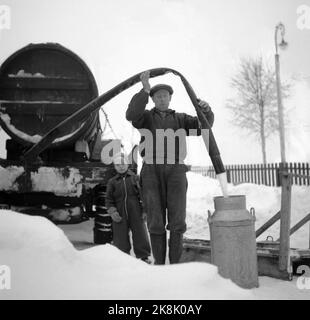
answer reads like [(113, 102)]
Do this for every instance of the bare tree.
[(254, 108)]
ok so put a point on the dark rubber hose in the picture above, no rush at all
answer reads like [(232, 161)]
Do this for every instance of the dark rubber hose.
[(95, 104)]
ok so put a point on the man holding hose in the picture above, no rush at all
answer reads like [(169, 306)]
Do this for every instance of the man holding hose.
[(163, 175)]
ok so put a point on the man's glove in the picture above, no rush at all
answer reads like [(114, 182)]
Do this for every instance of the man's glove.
[(144, 77), (114, 214), (116, 217), (205, 107)]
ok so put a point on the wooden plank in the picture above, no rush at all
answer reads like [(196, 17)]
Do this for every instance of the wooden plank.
[(268, 266), (299, 173), (295, 171), (268, 224), (304, 174), (300, 224), (252, 176), (277, 179), (243, 170), (228, 172), (291, 170), (250, 173), (265, 174), (233, 170), (19, 83), (234, 173), (268, 175), (195, 250), (285, 221), (301, 176), (200, 250), (44, 107), (243, 173)]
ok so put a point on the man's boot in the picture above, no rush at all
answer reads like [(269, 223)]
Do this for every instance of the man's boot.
[(159, 245), (175, 247)]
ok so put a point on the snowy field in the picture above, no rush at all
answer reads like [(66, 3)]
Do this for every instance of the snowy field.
[(44, 263)]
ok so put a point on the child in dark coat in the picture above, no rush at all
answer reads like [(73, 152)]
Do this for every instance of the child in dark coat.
[(124, 204)]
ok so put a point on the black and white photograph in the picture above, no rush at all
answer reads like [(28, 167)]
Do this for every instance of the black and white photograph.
[(155, 151)]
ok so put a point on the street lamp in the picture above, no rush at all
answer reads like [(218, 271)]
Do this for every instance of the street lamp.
[(283, 44)]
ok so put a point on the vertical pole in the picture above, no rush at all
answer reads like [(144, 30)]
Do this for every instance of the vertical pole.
[(309, 233), (228, 174), (280, 109), (285, 221)]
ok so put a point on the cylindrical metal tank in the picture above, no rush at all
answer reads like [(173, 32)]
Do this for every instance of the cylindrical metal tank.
[(103, 222), (40, 86), (233, 241)]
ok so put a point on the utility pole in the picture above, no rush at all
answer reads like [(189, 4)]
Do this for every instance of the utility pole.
[(280, 27)]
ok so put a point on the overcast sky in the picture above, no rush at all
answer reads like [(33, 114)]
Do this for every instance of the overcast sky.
[(202, 39)]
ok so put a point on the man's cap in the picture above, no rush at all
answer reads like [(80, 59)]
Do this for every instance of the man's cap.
[(161, 87)]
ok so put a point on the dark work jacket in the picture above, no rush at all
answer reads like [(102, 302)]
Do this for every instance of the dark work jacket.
[(123, 194), (153, 120)]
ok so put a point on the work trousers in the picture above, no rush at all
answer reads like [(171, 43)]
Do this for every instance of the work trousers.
[(140, 240), (164, 188)]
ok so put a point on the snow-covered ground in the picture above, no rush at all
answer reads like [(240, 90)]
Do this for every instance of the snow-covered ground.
[(44, 264)]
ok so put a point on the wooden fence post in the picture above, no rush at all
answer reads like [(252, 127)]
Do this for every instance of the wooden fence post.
[(309, 234), (228, 175), (285, 221)]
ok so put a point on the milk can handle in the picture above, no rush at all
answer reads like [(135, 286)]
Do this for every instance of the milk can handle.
[(209, 217), (209, 214), (252, 212)]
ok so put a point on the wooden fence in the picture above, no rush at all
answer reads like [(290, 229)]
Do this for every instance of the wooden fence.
[(267, 174)]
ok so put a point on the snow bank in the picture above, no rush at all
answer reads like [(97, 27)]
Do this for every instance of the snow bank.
[(8, 176), (265, 200), (45, 265), (46, 179), (54, 180)]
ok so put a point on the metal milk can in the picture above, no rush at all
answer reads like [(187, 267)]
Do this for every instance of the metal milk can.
[(233, 240)]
